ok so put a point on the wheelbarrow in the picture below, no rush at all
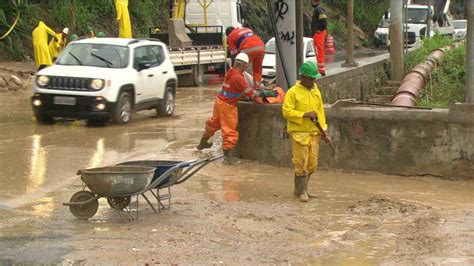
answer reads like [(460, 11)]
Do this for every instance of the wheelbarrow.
[(121, 182)]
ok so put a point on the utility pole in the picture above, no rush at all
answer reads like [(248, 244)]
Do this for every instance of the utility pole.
[(72, 15), (350, 42), (430, 18), (299, 34), (470, 54), (396, 39)]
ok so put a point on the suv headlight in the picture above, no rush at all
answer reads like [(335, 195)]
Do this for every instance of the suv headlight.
[(97, 84), (42, 81)]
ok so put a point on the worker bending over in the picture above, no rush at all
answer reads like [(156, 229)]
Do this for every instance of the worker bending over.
[(303, 106), (244, 40), (225, 115)]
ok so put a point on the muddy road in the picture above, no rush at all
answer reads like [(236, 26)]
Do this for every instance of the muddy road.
[(224, 214)]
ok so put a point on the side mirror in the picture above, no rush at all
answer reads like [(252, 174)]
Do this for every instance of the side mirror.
[(385, 15), (311, 54), (143, 65)]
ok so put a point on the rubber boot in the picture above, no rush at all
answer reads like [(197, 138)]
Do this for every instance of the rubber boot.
[(297, 191), (230, 160), (303, 181), (310, 195), (204, 144)]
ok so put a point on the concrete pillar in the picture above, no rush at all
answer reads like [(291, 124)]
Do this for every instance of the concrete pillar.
[(286, 31), (350, 42), (299, 34), (396, 39), (470, 53)]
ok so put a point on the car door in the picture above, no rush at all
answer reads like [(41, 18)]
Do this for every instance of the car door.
[(309, 51), (144, 72), (158, 70)]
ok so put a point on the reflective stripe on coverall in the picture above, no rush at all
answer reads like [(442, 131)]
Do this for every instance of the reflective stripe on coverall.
[(244, 40), (123, 18), (304, 134), (225, 114), (40, 44)]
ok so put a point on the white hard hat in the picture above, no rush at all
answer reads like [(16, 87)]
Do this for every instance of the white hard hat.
[(66, 30), (242, 57)]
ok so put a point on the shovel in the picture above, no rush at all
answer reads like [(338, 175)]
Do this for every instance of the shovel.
[(325, 136)]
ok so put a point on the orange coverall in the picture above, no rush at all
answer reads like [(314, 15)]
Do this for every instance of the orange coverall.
[(225, 115), (244, 40)]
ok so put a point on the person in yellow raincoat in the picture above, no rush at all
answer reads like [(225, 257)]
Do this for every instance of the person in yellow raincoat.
[(303, 105), (40, 45), (123, 18), (56, 45)]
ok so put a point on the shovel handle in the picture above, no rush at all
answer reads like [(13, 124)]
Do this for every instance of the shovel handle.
[(324, 135)]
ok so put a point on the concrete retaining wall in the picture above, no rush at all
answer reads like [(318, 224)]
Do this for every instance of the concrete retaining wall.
[(355, 83), (386, 140)]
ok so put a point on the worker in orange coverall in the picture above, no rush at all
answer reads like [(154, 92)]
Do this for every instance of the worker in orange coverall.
[(225, 115), (244, 40), (319, 26)]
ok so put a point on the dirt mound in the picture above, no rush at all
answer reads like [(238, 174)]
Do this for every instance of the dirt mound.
[(385, 208), (420, 237)]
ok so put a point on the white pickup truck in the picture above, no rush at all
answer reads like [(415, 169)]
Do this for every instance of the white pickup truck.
[(103, 79)]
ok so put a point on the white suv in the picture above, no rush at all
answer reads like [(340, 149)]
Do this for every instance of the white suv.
[(103, 79)]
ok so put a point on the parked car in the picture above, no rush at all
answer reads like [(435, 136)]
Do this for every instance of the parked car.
[(460, 27), (269, 61), (103, 79)]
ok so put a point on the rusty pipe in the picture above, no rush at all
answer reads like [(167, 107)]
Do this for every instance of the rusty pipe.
[(414, 81)]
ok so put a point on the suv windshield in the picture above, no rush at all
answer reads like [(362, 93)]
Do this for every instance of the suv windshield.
[(270, 47), (417, 15), (97, 55)]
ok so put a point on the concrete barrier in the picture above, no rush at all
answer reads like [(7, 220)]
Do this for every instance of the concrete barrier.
[(356, 83), (386, 140)]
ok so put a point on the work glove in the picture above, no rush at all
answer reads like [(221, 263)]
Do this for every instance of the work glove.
[(268, 93)]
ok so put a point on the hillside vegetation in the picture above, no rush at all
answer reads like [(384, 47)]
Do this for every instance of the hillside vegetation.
[(147, 13)]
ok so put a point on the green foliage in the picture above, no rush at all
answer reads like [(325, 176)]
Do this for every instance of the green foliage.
[(367, 13), (337, 28), (429, 44), (447, 83)]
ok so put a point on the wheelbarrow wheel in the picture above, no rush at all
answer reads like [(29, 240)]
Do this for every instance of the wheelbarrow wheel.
[(84, 211), (119, 203)]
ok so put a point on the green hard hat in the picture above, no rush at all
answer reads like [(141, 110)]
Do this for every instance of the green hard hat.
[(72, 37), (309, 69), (100, 34)]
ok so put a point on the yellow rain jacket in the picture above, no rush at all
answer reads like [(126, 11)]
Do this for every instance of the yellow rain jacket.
[(123, 18), (56, 46), (40, 44), (298, 101)]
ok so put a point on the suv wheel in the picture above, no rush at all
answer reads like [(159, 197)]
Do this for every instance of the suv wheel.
[(44, 119), (123, 110), (166, 106)]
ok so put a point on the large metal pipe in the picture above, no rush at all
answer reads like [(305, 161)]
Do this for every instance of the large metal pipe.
[(414, 81)]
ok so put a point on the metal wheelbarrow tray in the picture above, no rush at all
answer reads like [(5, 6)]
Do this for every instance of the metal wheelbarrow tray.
[(120, 182)]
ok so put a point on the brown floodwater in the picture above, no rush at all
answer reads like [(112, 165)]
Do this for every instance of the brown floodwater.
[(244, 214)]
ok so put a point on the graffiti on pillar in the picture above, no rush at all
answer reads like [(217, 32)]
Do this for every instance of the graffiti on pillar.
[(288, 36), (281, 8)]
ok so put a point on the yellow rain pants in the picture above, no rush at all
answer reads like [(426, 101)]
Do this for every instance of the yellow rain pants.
[(40, 44), (305, 151), (123, 18)]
